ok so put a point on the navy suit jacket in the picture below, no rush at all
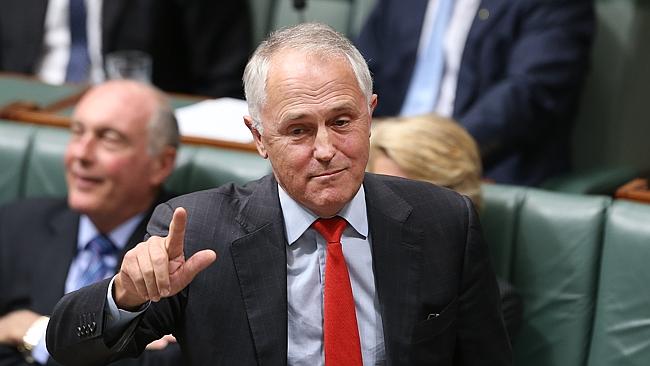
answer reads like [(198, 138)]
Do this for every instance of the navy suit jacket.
[(521, 73), (428, 258), (197, 46)]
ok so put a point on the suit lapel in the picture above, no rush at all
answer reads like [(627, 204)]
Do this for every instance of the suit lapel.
[(395, 264), (57, 254), (260, 262), (486, 17)]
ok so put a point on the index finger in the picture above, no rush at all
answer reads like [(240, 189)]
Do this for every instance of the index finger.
[(176, 237)]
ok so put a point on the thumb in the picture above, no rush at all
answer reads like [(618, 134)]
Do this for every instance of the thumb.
[(192, 266)]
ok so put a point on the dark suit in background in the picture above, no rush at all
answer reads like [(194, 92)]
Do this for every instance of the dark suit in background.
[(197, 46), (521, 73), (38, 241), (428, 258)]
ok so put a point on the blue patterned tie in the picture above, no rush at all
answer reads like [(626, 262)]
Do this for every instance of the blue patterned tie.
[(79, 63), (426, 79), (102, 261)]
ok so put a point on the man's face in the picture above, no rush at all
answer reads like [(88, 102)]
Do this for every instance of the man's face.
[(109, 171), (316, 134)]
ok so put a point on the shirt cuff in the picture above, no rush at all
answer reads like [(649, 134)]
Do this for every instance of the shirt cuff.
[(39, 353), (118, 319)]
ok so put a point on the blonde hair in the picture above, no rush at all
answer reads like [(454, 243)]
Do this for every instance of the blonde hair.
[(430, 148)]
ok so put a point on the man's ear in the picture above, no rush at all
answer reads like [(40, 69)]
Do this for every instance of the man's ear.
[(373, 103), (163, 166), (257, 137), (372, 106)]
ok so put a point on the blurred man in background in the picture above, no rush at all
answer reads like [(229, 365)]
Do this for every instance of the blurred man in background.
[(123, 146)]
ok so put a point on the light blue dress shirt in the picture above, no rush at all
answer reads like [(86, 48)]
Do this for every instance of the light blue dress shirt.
[(306, 253)]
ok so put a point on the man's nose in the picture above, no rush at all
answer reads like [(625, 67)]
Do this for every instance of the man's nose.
[(324, 149), (83, 148)]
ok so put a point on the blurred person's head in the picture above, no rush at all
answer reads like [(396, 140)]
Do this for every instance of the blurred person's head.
[(310, 99), (429, 148), (122, 148)]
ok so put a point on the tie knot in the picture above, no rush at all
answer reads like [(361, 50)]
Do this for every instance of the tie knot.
[(101, 245), (331, 229)]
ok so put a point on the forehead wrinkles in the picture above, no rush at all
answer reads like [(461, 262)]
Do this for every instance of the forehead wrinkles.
[(294, 92)]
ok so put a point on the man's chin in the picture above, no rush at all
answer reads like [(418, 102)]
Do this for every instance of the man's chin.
[(83, 205)]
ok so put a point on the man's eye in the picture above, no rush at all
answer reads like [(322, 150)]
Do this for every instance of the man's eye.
[(341, 122), (76, 130), (297, 131), (112, 139)]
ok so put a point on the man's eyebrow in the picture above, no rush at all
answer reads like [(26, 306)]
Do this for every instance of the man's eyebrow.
[(344, 107), (293, 116)]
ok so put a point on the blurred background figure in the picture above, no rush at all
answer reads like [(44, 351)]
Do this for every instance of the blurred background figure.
[(193, 47), (510, 72), (123, 147), (438, 150)]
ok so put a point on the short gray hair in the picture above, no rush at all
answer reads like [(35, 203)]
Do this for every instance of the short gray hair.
[(162, 127), (312, 38)]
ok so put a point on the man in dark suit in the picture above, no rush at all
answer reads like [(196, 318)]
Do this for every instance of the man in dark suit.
[(319, 263), (518, 75), (196, 46), (123, 146)]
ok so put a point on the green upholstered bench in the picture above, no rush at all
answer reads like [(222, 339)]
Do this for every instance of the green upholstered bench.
[(32, 163), (580, 264), (15, 141), (621, 334)]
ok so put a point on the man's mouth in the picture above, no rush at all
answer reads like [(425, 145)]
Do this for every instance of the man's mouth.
[(85, 181), (329, 173)]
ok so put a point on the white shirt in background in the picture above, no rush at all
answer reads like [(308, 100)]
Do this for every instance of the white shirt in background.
[(56, 42)]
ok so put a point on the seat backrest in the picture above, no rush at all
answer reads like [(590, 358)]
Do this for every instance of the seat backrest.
[(15, 143), (612, 126), (260, 11), (339, 14), (45, 173), (621, 334), (200, 168), (346, 16), (499, 219), (557, 253)]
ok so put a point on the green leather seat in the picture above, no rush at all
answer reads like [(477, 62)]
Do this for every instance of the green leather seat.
[(19, 88), (15, 142), (178, 181), (200, 167), (212, 167), (338, 14), (621, 334), (45, 173), (555, 270), (499, 219)]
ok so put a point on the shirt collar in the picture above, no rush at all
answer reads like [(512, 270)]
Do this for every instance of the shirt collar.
[(119, 236), (297, 219)]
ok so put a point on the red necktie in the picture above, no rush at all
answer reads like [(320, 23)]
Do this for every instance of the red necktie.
[(342, 346)]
